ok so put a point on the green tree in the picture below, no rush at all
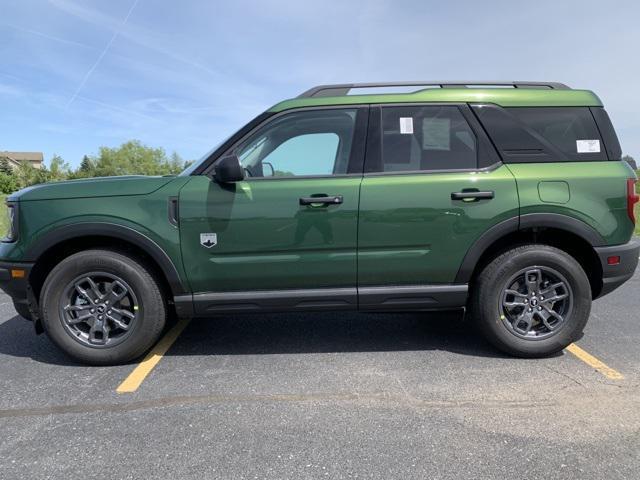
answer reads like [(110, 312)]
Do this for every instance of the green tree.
[(27, 175), (132, 158), (176, 163), (86, 169), (58, 168), (86, 166), (8, 183), (631, 161), (188, 163), (5, 167)]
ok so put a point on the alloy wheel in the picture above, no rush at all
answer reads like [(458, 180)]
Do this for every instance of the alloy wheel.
[(99, 309), (536, 303)]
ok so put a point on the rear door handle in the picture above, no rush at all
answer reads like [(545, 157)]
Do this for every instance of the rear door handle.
[(322, 199), (472, 195)]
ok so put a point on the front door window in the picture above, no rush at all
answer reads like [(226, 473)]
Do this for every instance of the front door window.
[(300, 144)]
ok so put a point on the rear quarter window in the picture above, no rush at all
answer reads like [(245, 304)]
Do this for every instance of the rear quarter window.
[(572, 130), (548, 134), (608, 133)]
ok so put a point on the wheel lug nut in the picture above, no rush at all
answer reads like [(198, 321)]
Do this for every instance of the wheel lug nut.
[(539, 308), (93, 310), (531, 310), (99, 317), (109, 311)]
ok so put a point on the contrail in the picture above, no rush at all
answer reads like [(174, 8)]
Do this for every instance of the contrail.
[(101, 56)]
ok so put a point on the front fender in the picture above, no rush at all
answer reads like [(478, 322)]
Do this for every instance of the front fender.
[(122, 233)]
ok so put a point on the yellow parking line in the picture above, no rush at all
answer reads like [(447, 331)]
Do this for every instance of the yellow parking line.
[(135, 378), (593, 362)]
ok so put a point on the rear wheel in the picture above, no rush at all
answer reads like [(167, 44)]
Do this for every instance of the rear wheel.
[(532, 301), (102, 307)]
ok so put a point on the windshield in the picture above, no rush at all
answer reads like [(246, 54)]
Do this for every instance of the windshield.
[(191, 168), (194, 166)]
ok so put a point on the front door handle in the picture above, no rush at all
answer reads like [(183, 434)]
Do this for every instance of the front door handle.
[(472, 195), (322, 200)]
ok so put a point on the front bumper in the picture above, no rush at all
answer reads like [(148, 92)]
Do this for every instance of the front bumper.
[(14, 284), (615, 275)]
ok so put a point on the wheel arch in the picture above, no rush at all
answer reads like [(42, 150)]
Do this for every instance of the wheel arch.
[(561, 231), (73, 238)]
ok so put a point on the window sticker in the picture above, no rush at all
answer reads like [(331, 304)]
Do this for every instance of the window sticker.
[(435, 134), (588, 146), (406, 125)]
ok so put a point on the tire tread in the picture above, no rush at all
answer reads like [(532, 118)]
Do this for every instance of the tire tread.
[(486, 280), (126, 351)]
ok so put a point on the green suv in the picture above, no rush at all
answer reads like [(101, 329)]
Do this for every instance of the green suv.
[(507, 199)]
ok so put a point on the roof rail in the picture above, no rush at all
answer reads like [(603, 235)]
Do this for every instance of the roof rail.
[(342, 89)]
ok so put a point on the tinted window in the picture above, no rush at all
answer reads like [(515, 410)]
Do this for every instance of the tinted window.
[(319, 151), (572, 130), (426, 138), (314, 142), (608, 133), (514, 141)]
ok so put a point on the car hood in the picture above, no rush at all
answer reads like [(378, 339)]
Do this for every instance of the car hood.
[(92, 187)]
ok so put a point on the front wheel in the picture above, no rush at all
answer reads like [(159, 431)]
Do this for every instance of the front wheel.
[(532, 301), (102, 307)]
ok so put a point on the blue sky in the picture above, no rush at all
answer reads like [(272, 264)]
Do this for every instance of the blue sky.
[(79, 74)]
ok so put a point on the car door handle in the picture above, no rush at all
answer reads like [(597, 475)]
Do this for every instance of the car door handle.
[(322, 199), (472, 195)]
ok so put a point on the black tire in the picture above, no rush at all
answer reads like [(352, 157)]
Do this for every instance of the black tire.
[(492, 301), (144, 301)]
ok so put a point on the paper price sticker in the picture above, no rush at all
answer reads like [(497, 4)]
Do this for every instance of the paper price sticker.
[(588, 146), (406, 125)]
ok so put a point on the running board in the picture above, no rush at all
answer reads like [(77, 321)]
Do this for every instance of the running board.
[(388, 298), (412, 297)]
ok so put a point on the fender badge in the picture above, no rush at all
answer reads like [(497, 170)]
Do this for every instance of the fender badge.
[(208, 240)]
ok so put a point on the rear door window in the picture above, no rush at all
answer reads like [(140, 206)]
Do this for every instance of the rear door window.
[(417, 138)]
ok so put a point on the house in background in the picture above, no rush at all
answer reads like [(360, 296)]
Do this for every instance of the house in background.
[(34, 159)]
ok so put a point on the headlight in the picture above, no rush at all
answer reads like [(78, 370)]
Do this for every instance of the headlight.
[(12, 227)]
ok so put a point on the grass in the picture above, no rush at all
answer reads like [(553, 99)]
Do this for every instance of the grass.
[(4, 221)]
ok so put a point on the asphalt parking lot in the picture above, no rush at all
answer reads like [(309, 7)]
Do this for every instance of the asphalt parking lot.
[(329, 396)]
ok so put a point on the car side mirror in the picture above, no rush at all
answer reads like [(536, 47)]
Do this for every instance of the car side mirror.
[(268, 166), (229, 169)]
